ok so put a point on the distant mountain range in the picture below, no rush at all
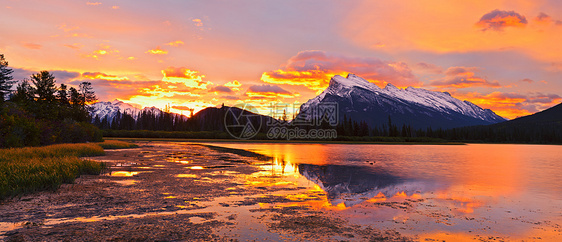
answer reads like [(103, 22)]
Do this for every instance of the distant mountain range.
[(110, 109), (362, 100)]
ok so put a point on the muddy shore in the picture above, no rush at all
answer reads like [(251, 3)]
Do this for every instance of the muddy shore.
[(179, 192)]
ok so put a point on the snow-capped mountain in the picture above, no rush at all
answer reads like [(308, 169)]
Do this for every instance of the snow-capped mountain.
[(362, 100), (110, 109)]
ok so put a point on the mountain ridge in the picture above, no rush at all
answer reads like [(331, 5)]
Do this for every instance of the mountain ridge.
[(362, 100)]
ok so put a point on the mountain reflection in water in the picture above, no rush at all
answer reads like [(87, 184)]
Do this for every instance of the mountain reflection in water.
[(352, 185)]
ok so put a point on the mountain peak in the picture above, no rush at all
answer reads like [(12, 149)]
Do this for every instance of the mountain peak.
[(390, 87), (350, 81), (363, 100)]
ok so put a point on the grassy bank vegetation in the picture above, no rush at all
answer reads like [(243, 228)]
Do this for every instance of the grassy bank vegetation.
[(30, 169)]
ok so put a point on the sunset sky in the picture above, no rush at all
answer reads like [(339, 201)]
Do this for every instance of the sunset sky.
[(502, 55)]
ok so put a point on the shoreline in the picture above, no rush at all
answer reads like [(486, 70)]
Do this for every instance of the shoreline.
[(281, 141)]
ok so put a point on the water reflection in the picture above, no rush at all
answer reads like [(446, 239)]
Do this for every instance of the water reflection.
[(437, 192), (352, 185)]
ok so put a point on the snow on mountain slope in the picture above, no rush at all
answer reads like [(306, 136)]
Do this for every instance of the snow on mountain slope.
[(413, 100), (110, 109)]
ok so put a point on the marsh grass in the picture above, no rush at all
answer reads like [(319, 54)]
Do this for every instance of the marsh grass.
[(116, 144), (30, 169)]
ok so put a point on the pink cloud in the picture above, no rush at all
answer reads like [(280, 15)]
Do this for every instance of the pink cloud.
[(463, 77)]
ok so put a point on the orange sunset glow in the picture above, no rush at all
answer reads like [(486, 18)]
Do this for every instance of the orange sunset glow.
[(501, 55)]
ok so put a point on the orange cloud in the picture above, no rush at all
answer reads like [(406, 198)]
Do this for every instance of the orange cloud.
[(93, 3), (498, 20), (105, 50), (100, 75), (233, 84), (512, 105), (463, 77), (268, 92), (197, 22), (185, 76), (115, 7), (175, 43), (184, 108), (157, 51), (313, 69), (32, 46)]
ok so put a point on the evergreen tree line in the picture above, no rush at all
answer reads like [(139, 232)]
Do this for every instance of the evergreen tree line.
[(145, 120), (530, 132), (38, 112)]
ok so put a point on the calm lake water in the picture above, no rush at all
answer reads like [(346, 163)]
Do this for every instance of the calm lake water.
[(454, 192)]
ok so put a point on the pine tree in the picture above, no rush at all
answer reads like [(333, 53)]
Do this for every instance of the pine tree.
[(45, 88), (6, 82)]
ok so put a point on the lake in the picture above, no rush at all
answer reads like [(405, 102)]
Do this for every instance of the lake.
[(453, 192), (247, 191)]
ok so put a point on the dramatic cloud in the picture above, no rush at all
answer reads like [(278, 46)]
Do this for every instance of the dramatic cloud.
[(220, 89), (157, 51), (463, 77), (184, 108), (527, 80), (184, 76), (314, 69), (512, 105), (268, 92), (497, 20), (100, 75), (233, 84)]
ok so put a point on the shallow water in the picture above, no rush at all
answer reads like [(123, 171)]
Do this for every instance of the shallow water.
[(440, 192)]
